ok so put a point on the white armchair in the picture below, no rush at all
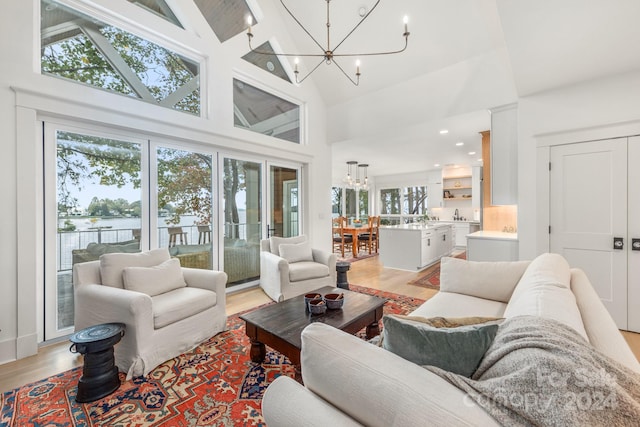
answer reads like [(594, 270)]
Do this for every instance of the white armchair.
[(167, 310), (290, 267)]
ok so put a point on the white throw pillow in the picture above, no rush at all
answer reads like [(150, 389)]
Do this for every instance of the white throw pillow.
[(275, 242), (296, 252), (154, 280), (489, 280), (111, 265)]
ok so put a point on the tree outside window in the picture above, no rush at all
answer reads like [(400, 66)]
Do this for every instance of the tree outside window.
[(336, 201), (363, 203)]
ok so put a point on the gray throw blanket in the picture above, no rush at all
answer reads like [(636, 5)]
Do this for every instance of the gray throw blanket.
[(540, 372)]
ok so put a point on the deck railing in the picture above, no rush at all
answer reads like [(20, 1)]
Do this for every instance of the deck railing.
[(70, 240)]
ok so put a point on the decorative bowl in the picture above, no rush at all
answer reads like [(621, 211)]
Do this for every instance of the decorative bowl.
[(334, 301), (309, 297), (317, 306)]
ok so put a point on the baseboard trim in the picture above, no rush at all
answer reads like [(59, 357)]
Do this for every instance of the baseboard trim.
[(7, 351), (27, 345)]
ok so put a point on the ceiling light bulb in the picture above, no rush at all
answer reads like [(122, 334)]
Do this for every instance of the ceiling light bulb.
[(296, 61), (250, 20), (471, 153), (444, 131), (405, 20), (459, 144)]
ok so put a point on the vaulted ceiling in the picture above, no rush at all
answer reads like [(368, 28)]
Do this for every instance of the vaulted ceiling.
[(464, 57)]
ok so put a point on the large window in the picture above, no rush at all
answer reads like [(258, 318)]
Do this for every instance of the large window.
[(107, 193), (98, 209), (336, 201), (86, 50), (363, 203), (402, 205), (261, 112), (350, 202)]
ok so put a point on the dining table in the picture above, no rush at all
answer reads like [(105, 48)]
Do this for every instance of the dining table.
[(355, 231)]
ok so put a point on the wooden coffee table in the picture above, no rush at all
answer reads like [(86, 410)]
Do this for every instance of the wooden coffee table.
[(280, 325)]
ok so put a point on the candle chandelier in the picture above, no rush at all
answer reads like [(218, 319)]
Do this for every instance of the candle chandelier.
[(356, 183), (328, 53)]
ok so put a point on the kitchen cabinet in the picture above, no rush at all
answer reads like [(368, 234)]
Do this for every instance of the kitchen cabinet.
[(434, 190), (444, 241), (414, 247), (461, 229), (429, 253)]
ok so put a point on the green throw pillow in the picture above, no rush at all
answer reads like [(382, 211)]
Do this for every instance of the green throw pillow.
[(454, 349)]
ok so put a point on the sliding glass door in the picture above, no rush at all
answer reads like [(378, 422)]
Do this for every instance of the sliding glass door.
[(242, 206), (184, 205), (107, 192), (94, 196)]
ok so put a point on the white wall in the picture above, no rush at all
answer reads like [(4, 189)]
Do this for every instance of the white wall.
[(598, 109), (25, 96)]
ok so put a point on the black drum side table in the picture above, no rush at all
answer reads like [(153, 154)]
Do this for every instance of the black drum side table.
[(341, 278), (99, 374)]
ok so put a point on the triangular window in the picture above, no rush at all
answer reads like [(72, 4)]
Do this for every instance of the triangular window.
[(160, 8), (225, 17), (270, 63)]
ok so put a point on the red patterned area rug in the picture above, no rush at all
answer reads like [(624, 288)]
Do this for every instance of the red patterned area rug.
[(216, 384), (430, 278)]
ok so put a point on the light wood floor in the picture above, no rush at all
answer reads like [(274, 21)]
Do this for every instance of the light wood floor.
[(55, 358)]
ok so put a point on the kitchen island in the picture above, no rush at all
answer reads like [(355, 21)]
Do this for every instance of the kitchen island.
[(492, 246), (414, 247)]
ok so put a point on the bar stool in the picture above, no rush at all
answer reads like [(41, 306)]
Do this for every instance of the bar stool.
[(204, 234), (175, 232)]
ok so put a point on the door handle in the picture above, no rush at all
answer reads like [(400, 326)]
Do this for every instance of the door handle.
[(618, 243), (635, 244)]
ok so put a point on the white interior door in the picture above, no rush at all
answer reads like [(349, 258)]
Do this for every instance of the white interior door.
[(588, 209), (634, 233)]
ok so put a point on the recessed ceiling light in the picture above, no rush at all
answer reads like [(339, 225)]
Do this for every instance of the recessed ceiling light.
[(270, 66), (459, 144), (437, 165), (443, 131), (479, 160), (471, 153)]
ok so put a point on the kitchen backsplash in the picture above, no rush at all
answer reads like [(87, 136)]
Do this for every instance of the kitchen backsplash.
[(447, 214)]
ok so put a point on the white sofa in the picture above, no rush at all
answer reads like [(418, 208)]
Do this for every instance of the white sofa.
[(349, 382), (298, 271), (158, 327)]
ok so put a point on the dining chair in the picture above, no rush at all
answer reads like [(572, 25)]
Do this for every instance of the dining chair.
[(370, 240), (340, 238)]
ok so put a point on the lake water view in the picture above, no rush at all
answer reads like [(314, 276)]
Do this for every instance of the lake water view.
[(112, 230)]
